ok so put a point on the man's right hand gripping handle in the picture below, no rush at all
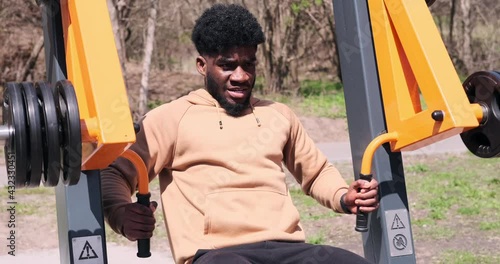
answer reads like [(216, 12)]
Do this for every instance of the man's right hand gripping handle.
[(362, 217)]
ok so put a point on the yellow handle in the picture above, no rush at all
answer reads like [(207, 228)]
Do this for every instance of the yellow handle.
[(366, 163), (142, 172)]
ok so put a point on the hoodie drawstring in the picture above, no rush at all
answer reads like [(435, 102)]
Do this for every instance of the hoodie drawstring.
[(220, 117), (254, 115)]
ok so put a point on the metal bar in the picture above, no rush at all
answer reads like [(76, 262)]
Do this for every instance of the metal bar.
[(389, 239), (79, 207), (5, 132)]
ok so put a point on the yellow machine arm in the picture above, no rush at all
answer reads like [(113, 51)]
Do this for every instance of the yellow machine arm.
[(94, 69), (414, 67)]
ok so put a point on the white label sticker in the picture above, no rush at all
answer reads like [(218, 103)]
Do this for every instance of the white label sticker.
[(398, 232), (87, 250)]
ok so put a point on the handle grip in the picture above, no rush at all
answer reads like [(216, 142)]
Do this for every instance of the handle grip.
[(143, 245), (362, 217)]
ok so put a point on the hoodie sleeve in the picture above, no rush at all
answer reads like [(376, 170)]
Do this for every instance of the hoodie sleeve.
[(155, 143), (310, 167)]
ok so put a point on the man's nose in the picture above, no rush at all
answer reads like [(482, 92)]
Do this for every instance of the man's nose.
[(239, 75)]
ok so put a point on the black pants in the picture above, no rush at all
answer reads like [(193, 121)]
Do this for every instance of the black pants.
[(278, 252)]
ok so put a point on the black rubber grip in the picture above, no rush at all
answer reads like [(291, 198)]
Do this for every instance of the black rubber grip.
[(362, 217), (143, 245)]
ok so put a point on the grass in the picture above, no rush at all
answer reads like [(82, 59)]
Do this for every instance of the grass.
[(322, 98), (315, 98), (465, 257), (468, 187), (29, 201), (456, 198), (308, 207), (316, 239)]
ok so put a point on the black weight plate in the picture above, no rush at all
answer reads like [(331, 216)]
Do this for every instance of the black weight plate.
[(50, 135), (484, 88), (16, 145), (34, 134), (67, 106)]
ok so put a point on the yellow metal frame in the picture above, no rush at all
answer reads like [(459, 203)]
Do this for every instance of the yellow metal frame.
[(142, 172), (366, 162), (411, 56), (94, 69)]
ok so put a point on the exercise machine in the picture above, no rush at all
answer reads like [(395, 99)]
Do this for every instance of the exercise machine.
[(391, 55), (61, 131)]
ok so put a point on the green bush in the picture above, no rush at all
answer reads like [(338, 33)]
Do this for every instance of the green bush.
[(318, 87)]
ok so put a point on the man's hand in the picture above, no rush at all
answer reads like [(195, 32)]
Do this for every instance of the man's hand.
[(363, 194), (138, 221)]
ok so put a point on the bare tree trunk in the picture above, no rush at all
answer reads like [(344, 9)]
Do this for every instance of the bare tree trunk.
[(123, 15), (30, 63), (116, 33), (467, 35), (148, 51), (282, 31), (267, 47), (453, 12)]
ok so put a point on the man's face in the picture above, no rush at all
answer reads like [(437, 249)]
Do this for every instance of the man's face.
[(230, 77)]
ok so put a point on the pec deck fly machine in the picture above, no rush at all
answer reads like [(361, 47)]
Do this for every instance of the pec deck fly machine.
[(62, 131)]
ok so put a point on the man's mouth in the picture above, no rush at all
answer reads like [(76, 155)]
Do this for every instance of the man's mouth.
[(238, 93)]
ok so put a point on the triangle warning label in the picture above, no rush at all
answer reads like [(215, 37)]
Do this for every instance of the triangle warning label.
[(397, 223), (87, 252)]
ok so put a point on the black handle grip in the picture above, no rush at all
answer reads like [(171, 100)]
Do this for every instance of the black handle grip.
[(362, 217), (143, 245)]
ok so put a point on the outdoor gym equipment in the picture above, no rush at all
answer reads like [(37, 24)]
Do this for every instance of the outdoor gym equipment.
[(63, 130), (386, 68)]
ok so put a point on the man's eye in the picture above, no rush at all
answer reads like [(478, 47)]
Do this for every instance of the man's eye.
[(226, 67)]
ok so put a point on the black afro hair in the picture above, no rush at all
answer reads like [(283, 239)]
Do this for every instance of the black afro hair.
[(222, 27)]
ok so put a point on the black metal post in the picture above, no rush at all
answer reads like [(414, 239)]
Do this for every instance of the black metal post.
[(389, 239)]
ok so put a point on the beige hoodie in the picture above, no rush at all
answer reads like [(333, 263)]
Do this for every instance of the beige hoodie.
[(221, 177)]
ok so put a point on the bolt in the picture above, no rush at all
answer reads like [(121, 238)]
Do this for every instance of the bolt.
[(438, 115)]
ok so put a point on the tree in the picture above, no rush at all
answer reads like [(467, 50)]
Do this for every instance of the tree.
[(148, 51), (467, 28), (119, 42), (31, 62)]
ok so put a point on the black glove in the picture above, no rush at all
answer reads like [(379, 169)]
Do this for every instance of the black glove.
[(138, 221)]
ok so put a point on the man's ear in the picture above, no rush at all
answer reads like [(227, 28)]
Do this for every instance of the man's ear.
[(201, 65)]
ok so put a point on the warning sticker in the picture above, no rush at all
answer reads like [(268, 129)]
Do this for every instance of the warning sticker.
[(87, 250), (397, 223), (398, 232)]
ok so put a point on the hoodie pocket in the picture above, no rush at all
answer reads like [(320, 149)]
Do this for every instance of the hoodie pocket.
[(233, 213)]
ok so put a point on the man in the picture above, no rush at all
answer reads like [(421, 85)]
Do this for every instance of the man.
[(218, 154)]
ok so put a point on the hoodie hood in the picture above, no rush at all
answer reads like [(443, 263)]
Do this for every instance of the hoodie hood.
[(202, 97)]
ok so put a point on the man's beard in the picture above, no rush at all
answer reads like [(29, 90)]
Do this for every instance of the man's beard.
[(233, 109)]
